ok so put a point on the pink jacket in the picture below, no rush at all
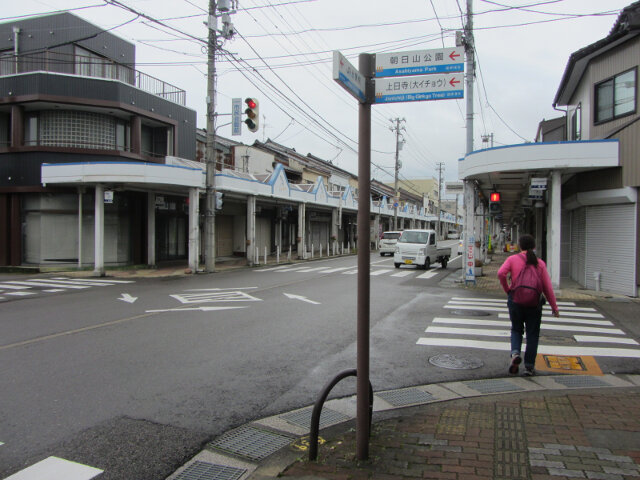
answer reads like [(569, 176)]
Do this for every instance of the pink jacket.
[(514, 264)]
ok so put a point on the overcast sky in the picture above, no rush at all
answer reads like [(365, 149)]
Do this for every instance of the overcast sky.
[(281, 55)]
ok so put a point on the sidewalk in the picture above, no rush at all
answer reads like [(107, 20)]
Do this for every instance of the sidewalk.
[(548, 427)]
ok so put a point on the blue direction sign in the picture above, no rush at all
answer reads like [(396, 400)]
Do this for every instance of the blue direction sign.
[(236, 116), (348, 76), (415, 89), (419, 62)]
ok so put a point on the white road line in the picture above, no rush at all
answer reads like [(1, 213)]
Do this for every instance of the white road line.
[(94, 280), (20, 294), (273, 269), (429, 274), (566, 308), (337, 269), (469, 331), (373, 273), (350, 272), (33, 283), (314, 269), (402, 273), (292, 269), (568, 320), (54, 290), (13, 287), (563, 313), (600, 339), (74, 282), (54, 468), (545, 349), (496, 323), (504, 301)]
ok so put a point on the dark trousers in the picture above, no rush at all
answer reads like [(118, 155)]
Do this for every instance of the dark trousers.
[(525, 319)]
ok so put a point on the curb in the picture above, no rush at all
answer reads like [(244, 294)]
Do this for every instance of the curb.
[(234, 454)]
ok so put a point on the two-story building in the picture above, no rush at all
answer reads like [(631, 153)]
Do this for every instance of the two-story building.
[(73, 106), (580, 196)]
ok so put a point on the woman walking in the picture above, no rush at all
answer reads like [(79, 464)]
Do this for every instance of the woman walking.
[(526, 316)]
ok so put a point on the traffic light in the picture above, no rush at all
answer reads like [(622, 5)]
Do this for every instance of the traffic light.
[(219, 200), (253, 114), (494, 203)]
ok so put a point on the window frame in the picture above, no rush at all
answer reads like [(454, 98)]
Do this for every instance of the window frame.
[(598, 121)]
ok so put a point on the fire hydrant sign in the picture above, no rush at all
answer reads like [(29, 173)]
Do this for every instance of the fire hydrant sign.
[(420, 62), (415, 89)]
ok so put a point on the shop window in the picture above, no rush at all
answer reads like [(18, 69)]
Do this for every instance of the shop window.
[(616, 96)]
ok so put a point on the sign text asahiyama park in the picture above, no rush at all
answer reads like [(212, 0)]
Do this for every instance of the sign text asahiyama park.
[(385, 78)]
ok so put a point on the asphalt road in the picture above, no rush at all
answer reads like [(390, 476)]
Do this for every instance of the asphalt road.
[(136, 387)]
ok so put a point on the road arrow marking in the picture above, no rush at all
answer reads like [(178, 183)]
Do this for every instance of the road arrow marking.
[(202, 309), (128, 298), (300, 297)]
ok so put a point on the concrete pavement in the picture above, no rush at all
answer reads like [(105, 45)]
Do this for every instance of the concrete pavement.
[(547, 427), (540, 428)]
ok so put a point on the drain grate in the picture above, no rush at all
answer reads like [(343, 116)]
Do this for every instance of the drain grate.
[(209, 471), (302, 418), (493, 386), (251, 442), (580, 381), (407, 396)]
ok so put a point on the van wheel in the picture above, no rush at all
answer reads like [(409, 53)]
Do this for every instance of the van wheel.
[(427, 263), (381, 254), (444, 263), (397, 265)]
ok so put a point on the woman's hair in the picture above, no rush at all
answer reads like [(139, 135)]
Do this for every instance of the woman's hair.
[(527, 244)]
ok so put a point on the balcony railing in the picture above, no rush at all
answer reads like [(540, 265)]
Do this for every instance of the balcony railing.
[(90, 67)]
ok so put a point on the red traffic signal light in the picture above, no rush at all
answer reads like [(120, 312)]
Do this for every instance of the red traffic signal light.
[(253, 114), (494, 197)]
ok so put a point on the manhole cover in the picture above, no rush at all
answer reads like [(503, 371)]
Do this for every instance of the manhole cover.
[(473, 313), (454, 362)]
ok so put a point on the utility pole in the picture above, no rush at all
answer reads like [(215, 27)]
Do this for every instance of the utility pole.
[(396, 201), (224, 6), (440, 166), (469, 189), (210, 152)]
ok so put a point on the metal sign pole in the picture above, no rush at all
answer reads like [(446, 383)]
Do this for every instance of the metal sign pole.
[(364, 221)]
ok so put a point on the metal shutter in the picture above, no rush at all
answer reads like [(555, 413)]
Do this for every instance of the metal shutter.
[(611, 247), (578, 245)]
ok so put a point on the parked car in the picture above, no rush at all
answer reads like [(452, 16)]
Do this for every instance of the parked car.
[(388, 242), (453, 235)]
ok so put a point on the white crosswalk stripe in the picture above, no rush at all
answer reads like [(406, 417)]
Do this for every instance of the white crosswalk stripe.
[(585, 325), (375, 271), (34, 286)]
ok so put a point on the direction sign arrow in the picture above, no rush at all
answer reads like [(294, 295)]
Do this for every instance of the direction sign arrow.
[(453, 55), (453, 81), (300, 297), (128, 298)]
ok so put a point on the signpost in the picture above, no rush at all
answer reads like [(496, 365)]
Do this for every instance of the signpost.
[(360, 83), (349, 77), (413, 89), (420, 62)]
